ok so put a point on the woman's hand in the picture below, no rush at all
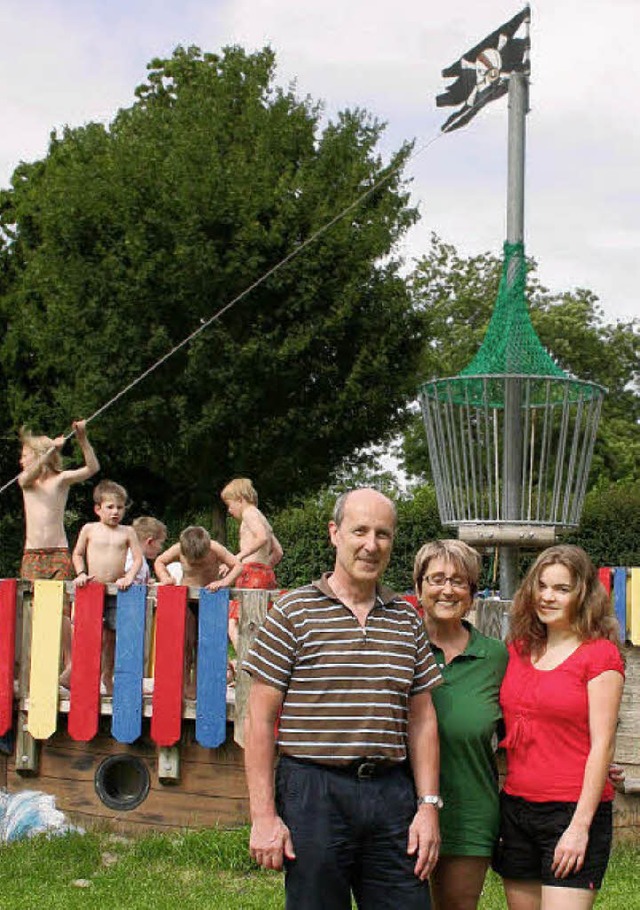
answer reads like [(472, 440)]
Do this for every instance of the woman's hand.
[(569, 854)]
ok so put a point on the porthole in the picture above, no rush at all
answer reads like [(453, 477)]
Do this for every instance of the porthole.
[(122, 782)]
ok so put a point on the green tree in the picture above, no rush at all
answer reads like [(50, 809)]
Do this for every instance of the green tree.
[(125, 239), (455, 296)]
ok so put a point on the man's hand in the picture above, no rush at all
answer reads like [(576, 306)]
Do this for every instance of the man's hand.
[(125, 582), (270, 843), (424, 840), (616, 776)]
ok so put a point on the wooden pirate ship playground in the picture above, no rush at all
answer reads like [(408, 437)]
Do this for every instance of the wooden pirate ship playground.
[(144, 757)]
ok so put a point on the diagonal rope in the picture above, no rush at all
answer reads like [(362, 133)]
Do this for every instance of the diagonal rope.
[(219, 313)]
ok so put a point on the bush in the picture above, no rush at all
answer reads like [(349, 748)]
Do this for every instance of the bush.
[(610, 526), (302, 530), (609, 532)]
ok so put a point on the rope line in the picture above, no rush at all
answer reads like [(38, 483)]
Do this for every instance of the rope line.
[(219, 313)]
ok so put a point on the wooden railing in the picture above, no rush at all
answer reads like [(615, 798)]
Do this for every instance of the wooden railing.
[(149, 662)]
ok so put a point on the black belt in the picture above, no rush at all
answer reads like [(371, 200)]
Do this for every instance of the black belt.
[(362, 768)]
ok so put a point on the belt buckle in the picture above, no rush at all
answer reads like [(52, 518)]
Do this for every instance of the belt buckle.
[(366, 769)]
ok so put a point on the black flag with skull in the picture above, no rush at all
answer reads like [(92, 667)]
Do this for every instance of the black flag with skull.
[(482, 74)]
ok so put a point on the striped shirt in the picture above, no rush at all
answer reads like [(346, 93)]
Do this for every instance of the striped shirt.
[(346, 687)]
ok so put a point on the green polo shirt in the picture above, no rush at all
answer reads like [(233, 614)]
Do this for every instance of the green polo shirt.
[(468, 710)]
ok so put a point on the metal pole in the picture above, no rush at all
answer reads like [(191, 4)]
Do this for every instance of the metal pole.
[(512, 427)]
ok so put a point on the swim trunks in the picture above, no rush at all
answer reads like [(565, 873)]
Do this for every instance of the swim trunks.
[(48, 563), (254, 575)]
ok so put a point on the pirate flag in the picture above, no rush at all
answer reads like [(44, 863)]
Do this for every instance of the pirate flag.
[(482, 74)]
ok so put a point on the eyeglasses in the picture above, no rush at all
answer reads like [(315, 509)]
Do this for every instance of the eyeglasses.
[(440, 580)]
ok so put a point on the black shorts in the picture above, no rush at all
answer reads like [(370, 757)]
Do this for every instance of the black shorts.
[(109, 613), (528, 836)]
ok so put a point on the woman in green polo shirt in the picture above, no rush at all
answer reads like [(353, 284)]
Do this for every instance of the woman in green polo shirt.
[(446, 576)]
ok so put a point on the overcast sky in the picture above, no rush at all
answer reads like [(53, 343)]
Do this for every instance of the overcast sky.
[(73, 61)]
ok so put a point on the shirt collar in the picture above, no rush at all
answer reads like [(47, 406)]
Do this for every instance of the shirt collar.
[(384, 594), (476, 646)]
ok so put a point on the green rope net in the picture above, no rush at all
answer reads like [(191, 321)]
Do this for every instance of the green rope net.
[(511, 344), (511, 348)]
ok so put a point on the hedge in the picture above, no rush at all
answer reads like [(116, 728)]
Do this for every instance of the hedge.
[(609, 532)]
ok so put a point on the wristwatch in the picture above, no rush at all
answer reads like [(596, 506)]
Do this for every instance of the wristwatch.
[(430, 800)]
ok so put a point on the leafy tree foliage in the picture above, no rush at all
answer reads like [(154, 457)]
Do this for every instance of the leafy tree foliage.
[(125, 239), (456, 295)]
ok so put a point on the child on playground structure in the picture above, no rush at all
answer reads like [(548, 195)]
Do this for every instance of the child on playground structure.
[(260, 549), (152, 536), (45, 488), (201, 559), (100, 554)]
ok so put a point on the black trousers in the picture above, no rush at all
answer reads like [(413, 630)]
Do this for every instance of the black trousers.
[(350, 837)]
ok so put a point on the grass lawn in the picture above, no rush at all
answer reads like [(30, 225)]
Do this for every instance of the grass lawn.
[(208, 870)]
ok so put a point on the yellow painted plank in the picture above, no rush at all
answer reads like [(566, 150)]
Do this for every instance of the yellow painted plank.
[(48, 599), (633, 605)]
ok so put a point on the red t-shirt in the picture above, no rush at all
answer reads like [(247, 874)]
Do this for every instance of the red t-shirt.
[(546, 714)]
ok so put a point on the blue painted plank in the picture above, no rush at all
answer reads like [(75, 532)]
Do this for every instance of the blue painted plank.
[(211, 690), (126, 724), (620, 598)]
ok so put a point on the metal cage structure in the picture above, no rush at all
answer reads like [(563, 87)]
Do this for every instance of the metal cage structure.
[(511, 437), (510, 452)]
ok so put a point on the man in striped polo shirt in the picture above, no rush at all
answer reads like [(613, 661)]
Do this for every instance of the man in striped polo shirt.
[(344, 668)]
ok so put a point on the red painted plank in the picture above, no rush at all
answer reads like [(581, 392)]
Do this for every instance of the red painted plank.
[(415, 603), (169, 664), (8, 591), (604, 574), (86, 649)]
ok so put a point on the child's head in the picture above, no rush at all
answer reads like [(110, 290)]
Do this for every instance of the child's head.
[(110, 502), (151, 533), (35, 447), (240, 489), (195, 543)]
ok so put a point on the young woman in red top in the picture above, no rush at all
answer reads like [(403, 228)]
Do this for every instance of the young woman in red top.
[(560, 699)]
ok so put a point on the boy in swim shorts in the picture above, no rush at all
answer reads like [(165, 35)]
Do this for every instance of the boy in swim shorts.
[(100, 554), (260, 549), (45, 488)]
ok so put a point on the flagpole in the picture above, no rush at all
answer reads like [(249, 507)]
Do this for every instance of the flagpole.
[(512, 438)]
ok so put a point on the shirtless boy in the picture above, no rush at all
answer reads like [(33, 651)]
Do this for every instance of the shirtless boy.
[(100, 555), (201, 559), (45, 488), (260, 549)]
